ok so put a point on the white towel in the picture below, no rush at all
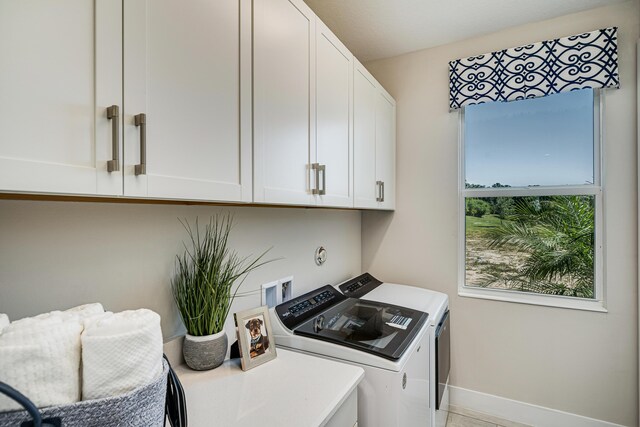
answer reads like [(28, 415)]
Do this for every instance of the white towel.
[(86, 310), (40, 357), (86, 313), (36, 323), (4, 321), (120, 352), (80, 313)]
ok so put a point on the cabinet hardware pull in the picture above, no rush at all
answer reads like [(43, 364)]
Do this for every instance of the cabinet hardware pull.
[(113, 114), (316, 168), (379, 191), (323, 169), (382, 192), (140, 120)]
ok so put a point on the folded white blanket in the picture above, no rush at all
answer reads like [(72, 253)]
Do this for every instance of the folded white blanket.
[(120, 352), (40, 357), (4, 321)]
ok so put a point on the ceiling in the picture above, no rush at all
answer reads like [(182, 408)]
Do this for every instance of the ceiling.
[(375, 29)]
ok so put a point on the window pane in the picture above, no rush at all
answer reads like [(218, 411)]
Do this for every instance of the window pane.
[(542, 141), (532, 244)]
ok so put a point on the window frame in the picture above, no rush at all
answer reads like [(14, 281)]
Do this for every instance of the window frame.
[(598, 303)]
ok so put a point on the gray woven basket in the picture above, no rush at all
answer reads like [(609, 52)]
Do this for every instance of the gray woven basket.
[(142, 407)]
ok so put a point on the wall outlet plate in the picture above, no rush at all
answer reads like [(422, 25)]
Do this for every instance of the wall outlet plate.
[(277, 292), (286, 288), (270, 294)]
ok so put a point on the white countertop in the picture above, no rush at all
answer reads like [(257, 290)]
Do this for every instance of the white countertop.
[(294, 389)]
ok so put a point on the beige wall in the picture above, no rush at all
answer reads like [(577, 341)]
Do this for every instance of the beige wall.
[(575, 361), (55, 255)]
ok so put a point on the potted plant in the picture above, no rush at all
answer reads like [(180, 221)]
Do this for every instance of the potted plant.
[(203, 289)]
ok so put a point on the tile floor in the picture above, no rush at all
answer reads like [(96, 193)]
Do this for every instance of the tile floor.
[(461, 417)]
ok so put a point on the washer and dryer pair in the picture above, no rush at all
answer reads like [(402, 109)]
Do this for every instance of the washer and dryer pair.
[(398, 334)]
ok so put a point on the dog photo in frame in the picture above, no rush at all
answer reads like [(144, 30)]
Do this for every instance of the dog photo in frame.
[(255, 340)]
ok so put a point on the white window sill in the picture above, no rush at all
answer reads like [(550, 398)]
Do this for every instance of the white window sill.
[(533, 299)]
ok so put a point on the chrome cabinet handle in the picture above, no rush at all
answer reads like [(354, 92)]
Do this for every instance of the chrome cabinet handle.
[(316, 168), (382, 192), (113, 114), (323, 169), (379, 191), (140, 120)]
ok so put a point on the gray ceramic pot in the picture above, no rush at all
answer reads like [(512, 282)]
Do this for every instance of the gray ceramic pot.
[(207, 352)]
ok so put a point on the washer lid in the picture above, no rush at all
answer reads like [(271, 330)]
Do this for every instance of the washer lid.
[(432, 302), (379, 328)]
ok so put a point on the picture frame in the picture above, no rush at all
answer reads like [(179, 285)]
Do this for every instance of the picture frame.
[(255, 337)]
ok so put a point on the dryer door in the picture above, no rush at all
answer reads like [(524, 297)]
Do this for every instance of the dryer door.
[(443, 357)]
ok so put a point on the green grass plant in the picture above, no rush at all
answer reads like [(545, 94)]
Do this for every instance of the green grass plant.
[(208, 275)]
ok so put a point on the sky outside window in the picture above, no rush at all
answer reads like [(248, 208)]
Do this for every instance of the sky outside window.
[(542, 141)]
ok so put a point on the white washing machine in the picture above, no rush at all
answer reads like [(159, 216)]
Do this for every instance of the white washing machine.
[(390, 342), (437, 305)]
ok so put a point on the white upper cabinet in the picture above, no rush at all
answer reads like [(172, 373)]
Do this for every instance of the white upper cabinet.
[(187, 75), (374, 128), (61, 68), (365, 94), (386, 149), (225, 100), (303, 78), (334, 147), (283, 101)]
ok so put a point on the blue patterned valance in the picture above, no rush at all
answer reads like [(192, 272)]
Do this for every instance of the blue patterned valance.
[(588, 60)]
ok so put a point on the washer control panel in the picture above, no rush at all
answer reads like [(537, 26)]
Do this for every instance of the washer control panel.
[(296, 311), (359, 286)]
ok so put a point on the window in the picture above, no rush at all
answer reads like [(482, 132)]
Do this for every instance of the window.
[(530, 201)]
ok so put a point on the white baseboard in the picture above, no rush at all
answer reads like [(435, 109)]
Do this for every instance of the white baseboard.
[(520, 412)]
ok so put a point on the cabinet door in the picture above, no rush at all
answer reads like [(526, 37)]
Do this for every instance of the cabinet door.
[(284, 101), (334, 148), (386, 148), (60, 70), (364, 138), (187, 68)]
